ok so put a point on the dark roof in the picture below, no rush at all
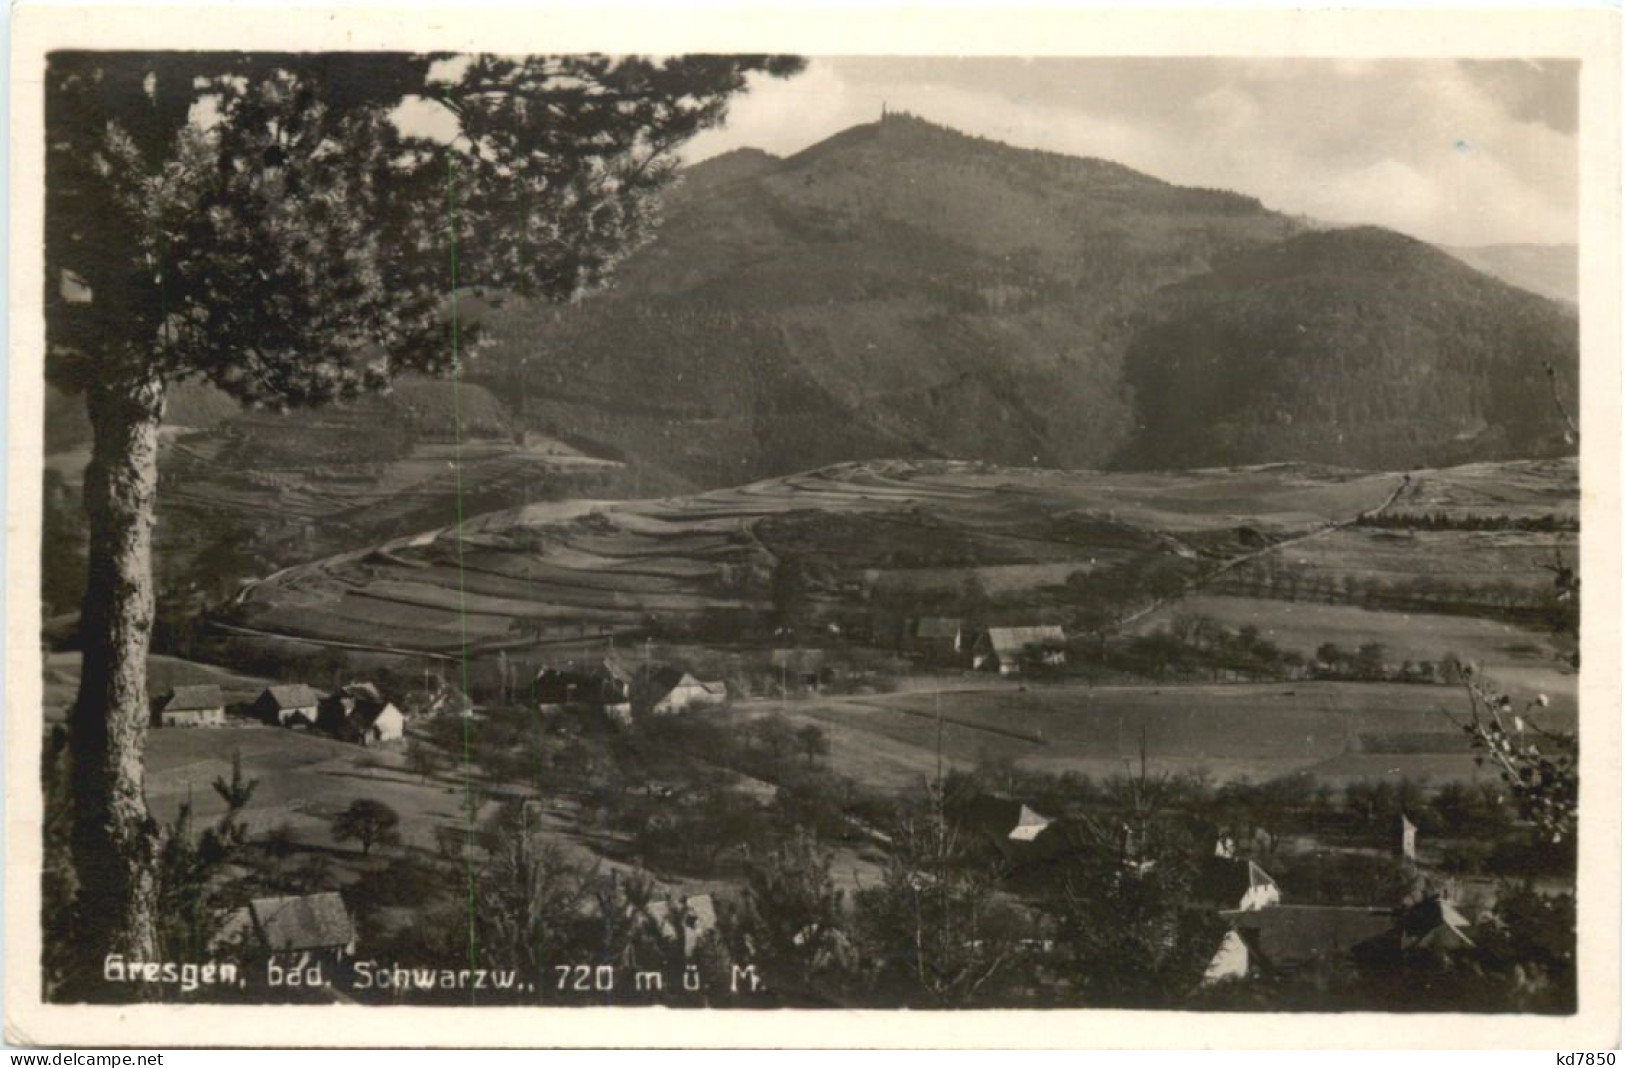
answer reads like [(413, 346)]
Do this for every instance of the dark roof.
[(617, 671), (293, 695), (936, 627), (662, 680), (193, 698), (1289, 935), (985, 814), (1435, 923), (361, 691), (606, 671), (314, 921), (1018, 832), (1224, 880)]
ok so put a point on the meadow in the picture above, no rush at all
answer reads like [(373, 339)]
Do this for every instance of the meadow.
[(1524, 661), (1335, 731)]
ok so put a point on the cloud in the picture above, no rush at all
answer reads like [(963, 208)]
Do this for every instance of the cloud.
[(1456, 152), (1543, 91)]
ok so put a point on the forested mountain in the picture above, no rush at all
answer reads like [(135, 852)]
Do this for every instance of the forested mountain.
[(1361, 347), (1550, 270), (903, 289)]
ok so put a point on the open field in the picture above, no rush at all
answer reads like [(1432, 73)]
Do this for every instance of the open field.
[(1526, 488), (1335, 731), (1523, 661), (304, 779), (1459, 558)]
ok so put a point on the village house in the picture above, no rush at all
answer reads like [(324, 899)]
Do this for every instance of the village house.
[(293, 705), (296, 930), (1008, 650), (940, 637), (667, 690), (440, 699), (606, 686), (1434, 924), (375, 724), (800, 669), (1284, 939), (1231, 883), (1022, 837), (697, 915), (191, 706), (359, 713)]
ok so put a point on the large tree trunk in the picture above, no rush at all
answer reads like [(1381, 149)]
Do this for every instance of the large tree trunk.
[(115, 840)]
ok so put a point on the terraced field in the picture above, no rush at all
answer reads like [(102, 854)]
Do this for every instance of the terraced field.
[(561, 572)]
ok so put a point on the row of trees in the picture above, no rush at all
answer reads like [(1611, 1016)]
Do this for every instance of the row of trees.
[(1550, 523), (1494, 598)]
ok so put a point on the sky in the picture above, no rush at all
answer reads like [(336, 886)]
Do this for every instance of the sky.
[(1454, 152)]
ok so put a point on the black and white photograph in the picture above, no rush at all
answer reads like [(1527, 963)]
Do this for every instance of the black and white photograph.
[(796, 529)]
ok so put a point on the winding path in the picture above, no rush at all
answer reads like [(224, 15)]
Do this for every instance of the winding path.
[(1192, 585)]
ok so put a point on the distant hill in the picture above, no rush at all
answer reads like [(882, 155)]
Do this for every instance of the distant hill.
[(902, 289), (1361, 347), (1550, 270)]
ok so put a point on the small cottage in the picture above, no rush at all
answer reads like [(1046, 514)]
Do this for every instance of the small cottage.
[(292, 705), (191, 706), (297, 930)]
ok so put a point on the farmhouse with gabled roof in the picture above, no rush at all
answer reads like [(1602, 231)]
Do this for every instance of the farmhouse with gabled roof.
[(191, 706), (297, 928), (290, 705), (1007, 649)]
